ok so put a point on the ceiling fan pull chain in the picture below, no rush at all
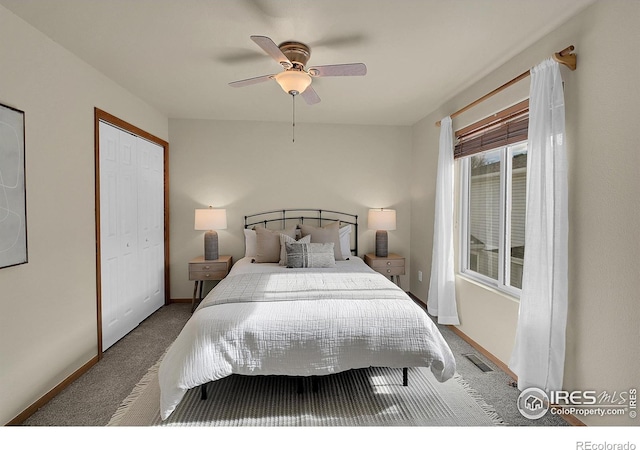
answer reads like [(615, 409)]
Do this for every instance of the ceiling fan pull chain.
[(293, 122)]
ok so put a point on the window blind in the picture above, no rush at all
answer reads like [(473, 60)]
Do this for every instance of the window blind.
[(503, 128)]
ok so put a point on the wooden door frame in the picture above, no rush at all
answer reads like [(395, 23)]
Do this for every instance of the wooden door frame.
[(103, 116)]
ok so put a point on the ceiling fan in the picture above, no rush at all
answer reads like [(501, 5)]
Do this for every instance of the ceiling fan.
[(296, 79)]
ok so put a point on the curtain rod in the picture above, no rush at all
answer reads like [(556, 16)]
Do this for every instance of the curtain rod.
[(564, 57)]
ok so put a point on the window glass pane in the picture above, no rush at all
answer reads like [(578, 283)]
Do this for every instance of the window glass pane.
[(518, 210), (484, 213)]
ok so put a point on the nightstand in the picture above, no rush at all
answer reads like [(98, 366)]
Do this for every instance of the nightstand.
[(391, 265), (201, 270)]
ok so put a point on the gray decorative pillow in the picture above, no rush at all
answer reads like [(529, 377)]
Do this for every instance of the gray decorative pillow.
[(310, 255), (284, 239), (268, 244), (329, 233)]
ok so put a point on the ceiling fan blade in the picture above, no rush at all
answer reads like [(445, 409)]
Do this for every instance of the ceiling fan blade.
[(250, 81), (338, 70), (240, 56), (272, 50), (339, 41), (310, 96)]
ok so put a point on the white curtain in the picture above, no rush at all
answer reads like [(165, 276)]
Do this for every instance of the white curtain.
[(538, 355), (442, 286)]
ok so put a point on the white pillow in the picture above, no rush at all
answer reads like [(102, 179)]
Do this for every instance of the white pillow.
[(250, 243), (345, 241), (284, 239)]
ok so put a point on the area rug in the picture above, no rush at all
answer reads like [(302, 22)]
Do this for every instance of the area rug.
[(363, 397)]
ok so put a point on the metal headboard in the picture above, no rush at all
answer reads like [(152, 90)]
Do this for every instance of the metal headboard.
[(285, 216)]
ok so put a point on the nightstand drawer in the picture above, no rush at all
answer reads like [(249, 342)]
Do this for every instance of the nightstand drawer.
[(391, 270), (197, 274), (387, 263), (207, 266)]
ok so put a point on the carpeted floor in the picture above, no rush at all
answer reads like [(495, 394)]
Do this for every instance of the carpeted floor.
[(94, 398)]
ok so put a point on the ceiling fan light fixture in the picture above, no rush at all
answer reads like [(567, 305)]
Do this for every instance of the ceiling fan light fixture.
[(293, 82)]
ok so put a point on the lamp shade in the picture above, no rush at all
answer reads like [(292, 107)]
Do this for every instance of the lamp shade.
[(293, 81), (382, 219), (211, 219)]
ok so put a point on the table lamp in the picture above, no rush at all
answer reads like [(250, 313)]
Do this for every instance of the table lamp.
[(382, 220), (210, 220)]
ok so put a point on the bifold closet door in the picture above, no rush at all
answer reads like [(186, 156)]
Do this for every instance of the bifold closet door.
[(131, 231), (151, 225)]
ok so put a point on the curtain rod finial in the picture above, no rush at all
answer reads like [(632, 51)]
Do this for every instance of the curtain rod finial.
[(566, 57)]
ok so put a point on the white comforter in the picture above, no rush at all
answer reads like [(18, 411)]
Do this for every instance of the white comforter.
[(263, 319)]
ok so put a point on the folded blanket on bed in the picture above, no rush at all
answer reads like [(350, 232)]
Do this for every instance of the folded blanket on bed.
[(280, 287)]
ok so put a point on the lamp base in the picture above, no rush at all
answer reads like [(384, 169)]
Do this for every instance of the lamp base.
[(210, 246), (382, 243)]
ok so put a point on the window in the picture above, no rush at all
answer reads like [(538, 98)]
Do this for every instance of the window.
[(493, 203), (493, 158)]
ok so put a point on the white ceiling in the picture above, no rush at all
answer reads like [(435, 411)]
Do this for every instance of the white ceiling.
[(179, 55)]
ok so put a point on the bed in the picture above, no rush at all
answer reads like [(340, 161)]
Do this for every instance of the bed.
[(270, 318)]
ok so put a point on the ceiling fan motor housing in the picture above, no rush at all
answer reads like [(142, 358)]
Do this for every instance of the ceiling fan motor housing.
[(296, 52)]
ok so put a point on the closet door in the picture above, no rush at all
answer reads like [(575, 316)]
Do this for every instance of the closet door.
[(151, 225), (118, 233), (131, 231), (109, 238)]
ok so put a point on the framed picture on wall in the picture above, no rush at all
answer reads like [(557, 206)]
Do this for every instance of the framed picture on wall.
[(13, 198)]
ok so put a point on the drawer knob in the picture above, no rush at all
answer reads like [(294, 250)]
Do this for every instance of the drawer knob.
[(206, 275), (206, 267), (388, 263), (388, 270)]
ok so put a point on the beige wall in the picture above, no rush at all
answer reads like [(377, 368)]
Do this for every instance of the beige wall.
[(602, 107), (48, 307), (251, 167)]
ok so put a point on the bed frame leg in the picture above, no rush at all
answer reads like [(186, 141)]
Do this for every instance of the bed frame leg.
[(203, 392), (405, 376), (300, 386)]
